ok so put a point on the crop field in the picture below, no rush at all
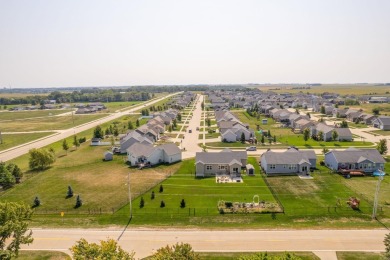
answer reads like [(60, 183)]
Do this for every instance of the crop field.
[(49, 123), (11, 140), (19, 115)]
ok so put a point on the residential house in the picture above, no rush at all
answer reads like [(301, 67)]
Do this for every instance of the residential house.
[(351, 159), (292, 161), (344, 134), (382, 122), (226, 162), (133, 137), (148, 154)]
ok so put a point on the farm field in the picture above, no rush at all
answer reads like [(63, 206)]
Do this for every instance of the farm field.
[(49, 123), (11, 140), (15, 115)]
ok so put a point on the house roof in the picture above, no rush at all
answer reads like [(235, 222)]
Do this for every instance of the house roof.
[(343, 131), (170, 148), (226, 156), (356, 155), (291, 156), (385, 120), (323, 128), (139, 149)]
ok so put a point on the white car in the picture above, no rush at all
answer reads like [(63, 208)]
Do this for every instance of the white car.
[(251, 148)]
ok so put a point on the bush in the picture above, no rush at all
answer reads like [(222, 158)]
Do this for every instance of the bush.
[(79, 202), (228, 204), (69, 194), (36, 203), (161, 188), (152, 196), (182, 203), (162, 204), (141, 203), (82, 140), (322, 163), (221, 211)]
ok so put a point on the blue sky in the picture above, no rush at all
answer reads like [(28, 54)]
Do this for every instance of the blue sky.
[(104, 43)]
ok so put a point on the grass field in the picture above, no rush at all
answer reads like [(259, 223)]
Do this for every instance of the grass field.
[(359, 256), (42, 255), (15, 115), (368, 107), (231, 256), (114, 106), (381, 132), (297, 140), (11, 140), (101, 185), (49, 123)]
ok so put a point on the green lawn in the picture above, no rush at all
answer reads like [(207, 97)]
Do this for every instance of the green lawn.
[(11, 140), (114, 106), (42, 255), (353, 125), (49, 123), (15, 115), (381, 132), (231, 256), (358, 256), (297, 140)]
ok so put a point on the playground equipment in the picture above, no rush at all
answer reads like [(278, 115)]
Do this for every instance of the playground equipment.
[(353, 203)]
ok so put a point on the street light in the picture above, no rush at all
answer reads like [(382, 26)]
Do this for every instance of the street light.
[(380, 175)]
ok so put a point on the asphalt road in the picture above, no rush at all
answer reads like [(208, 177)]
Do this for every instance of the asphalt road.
[(23, 149), (146, 241)]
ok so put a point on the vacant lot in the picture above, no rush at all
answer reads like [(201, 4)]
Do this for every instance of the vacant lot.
[(114, 106), (101, 185), (49, 123), (11, 140), (15, 115)]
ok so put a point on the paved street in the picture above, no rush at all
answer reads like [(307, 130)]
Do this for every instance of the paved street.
[(145, 242), (23, 149)]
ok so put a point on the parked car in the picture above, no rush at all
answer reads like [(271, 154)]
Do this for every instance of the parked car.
[(190, 131), (251, 148)]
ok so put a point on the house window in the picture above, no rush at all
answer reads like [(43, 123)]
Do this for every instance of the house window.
[(272, 166), (365, 166), (209, 167), (222, 167), (235, 170)]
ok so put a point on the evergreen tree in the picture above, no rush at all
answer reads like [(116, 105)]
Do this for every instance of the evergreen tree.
[(152, 196), (242, 138), (130, 125), (141, 203), (306, 134), (98, 132), (161, 188), (262, 139), (69, 194), (65, 146), (76, 142), (79, 202), (36, 203), (182, 203), (137, 123), (162, 204)]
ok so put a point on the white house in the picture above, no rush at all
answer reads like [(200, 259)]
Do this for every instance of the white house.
[(147, 154)]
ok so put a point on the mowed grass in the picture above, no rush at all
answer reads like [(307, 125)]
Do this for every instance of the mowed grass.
[(101, 185), (297, 140), (236, 255), (42, 255), (49, 123), (114, 106), (381, 132), (11, 140), (359, 256), (15, 115)]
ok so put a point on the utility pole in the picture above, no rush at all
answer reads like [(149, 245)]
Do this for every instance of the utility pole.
[(128, 184), (378, 185)]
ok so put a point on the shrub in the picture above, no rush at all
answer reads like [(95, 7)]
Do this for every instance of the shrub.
[(152, 196), (162, 204), (322, 163), (141, 203), (36, 202), (79, 202), (161, 188), (182, 203)]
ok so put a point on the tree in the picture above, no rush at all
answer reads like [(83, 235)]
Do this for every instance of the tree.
[(297, 111), (142, 202), (178, 251), (137, 123), (36, 202), (202, 105), (306, 134), (344, 124), (208, 122), (322, 110), (7, 180), (308, 115), (174, 123), (321, 119), (274, 139), (79, 202), (262, 139), (386, 241), (106, 250), (375, 111), (162, 204), (269, 133), (179, 117), (325, 150), (130, 125), (242, 138), (69, 194), (40, 159), (152, 196), (382, 146), (161, 188), (116, 131), (170, 128), (182, 203), (14, 228), (320, 136), (98, 132), (65, 146), (76, 142), (334, 135)]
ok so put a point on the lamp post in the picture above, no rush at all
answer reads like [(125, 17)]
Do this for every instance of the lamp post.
[(378, 185)]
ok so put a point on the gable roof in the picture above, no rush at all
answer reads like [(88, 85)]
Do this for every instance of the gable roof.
[(356, 155), (226, 156), (291, 156)]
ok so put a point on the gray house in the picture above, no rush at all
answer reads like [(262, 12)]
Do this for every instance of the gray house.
[(351, 159), (133, 137), (226, 162), (290, 162), (382, 122)]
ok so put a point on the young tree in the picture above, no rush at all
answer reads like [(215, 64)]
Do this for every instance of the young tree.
[(142, 202), (36, 202), (269, 133), (202, 105), (76, 142), (297, 111), (344, 124), (320, 136), (322, 110), (7, 180), (162, 204), (325, 150), (308, 115), (14, 228), (40, 159), (79, 202), (69, 193), (242, 138), (178, 251), (106, 250), (130, 125), (262, 139), (161, 188), (152, 196), (116, 131), (386, 241), (182, 203), (306, 134), (274, 139), (65, 146), (174, 123), (170, 128), (179, 117), (98, 132), (375, 111), (335, 135), (382, 146), (137, 123), (321, 119)]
